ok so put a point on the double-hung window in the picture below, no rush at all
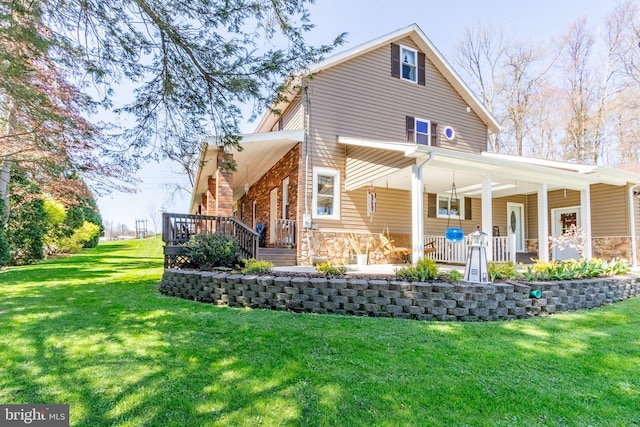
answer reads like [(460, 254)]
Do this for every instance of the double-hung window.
[(409, 62), (420, 131), (449, 207), (423, 128), (326, 193)]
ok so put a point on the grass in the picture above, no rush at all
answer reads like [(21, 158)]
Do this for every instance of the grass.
[(92, 331)]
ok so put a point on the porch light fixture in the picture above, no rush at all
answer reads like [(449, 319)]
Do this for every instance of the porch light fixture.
[(246, 182)]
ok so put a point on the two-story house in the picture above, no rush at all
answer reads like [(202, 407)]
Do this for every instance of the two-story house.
[(385, 144)]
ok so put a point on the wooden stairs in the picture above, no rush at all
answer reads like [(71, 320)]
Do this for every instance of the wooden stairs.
[(280, 257)]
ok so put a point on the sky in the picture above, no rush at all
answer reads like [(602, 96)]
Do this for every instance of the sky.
[(443, 22)]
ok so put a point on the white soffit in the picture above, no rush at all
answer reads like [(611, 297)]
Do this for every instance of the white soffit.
[(260, 151)]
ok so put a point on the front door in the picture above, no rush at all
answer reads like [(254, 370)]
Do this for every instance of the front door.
[(563, 219), (515, 224)]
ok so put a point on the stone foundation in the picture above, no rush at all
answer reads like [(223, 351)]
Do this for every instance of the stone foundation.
[(611, 247), (385, 298), (336, 248)]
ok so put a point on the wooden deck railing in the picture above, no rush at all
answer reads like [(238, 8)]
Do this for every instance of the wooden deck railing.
[(456, 253), (285, 233), (177, 229)]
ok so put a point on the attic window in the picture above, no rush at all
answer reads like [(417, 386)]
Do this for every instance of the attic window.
[(407, 64)]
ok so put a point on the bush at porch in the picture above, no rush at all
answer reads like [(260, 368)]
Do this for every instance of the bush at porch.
[(207, 251)]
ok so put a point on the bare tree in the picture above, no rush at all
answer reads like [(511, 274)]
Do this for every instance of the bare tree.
[(576, 48), (480, 53), (522, 80)]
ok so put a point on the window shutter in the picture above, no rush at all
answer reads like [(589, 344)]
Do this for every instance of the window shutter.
[(434, 134), (395, 60), (421, 69), (432, 204), (467, 208), (411, 126)]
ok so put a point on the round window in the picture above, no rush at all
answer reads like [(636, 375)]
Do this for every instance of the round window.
[(449, 133), (513, 222)]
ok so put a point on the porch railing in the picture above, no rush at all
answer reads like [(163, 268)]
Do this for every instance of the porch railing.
[(456, 253), (285, 233), (177, 229)]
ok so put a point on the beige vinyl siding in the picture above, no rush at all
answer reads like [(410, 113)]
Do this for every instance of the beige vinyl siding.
[(438, 226), (393, 213), (531, 217), (364, 165), (499, 213), (293, 117), (609, 211), (359, 98)]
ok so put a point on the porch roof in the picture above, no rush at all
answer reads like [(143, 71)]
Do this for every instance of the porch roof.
[(510, 174), (260, 152)]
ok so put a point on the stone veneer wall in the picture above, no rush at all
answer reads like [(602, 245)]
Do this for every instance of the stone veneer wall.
[(611, 247), (382, 298), (335, 247)]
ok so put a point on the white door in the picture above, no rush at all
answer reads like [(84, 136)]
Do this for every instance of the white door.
[(515, 224), (562, 220), (273, 215)]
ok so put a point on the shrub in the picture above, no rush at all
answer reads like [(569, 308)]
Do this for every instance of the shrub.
[(253, 266), (331, 270), (425, 269), (501, 270), (207, 251), (74, 244), (572, 269), (454, 276)]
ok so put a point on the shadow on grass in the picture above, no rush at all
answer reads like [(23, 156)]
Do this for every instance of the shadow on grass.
[(121, 354)]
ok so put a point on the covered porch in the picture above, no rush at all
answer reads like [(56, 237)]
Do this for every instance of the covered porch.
[(511, 193)]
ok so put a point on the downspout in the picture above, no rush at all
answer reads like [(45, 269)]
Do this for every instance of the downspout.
[(632, 223), (306, 216), (307, 118)]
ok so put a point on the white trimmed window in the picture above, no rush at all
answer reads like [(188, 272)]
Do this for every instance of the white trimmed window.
[(450, 206), (409, 64), (326, 193), (423, 132)]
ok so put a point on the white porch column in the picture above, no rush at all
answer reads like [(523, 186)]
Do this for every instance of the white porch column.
[(632, 226), (487, 214), (417, 212), (585, 213), (543, 223)]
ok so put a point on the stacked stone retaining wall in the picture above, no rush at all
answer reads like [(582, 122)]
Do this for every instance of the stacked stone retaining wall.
[(387, 298)]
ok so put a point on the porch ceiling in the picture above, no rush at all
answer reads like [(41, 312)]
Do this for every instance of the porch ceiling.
[(443, 167), (260, 151)]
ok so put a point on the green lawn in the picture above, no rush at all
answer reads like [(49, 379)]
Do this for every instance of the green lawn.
[(92, 331)]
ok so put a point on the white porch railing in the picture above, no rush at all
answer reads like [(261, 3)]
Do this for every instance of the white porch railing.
[(456, 253)]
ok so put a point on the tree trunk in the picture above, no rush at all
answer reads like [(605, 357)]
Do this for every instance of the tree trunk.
[(5, 173)]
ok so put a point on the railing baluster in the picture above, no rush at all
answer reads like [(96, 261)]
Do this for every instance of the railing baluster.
[(177, 229)]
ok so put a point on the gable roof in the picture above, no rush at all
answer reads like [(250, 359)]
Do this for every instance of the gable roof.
[(425, 45)]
